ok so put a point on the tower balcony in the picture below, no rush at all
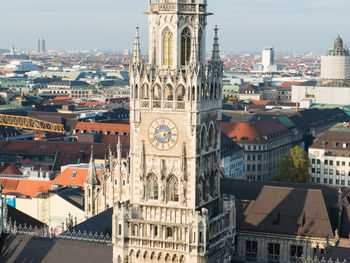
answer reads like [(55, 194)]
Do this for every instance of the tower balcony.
[(181, 7), (162, 105)]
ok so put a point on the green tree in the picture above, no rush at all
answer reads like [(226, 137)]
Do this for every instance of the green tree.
[(294, 167)]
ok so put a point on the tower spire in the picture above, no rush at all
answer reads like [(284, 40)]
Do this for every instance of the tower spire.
[(92, 177), (137, 50), (216, 47)]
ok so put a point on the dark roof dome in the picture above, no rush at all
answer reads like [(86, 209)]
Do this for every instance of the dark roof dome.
[(338, 48)]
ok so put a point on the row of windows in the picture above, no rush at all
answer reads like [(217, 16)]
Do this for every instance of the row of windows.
[(329, 171), (329, 181), (330, 162), (260, 147), (273, 252), (262, 167)]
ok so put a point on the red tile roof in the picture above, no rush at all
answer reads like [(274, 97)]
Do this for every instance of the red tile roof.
[(103, 127), (25, 187), (288, 84), (256, 131), (11, 170), (73, 176), (67, 152), (92, 103)]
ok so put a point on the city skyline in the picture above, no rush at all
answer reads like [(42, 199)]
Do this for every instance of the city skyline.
[(109, 25)]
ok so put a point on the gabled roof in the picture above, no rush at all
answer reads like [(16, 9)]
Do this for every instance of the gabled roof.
[(73, 176), (14, 215), (11, 170), (250, 190), (282, 210), (101, 223), (22, 248), (25, 187)]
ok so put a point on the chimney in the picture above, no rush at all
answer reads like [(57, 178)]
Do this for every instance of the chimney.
[(297, 107)]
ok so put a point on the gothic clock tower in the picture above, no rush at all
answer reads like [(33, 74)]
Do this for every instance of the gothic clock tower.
[(175, 212)]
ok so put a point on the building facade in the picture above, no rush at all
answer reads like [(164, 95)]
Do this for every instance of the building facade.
[(264, 143), (232, 158), (330, 157), (166, 194), (76, 89)]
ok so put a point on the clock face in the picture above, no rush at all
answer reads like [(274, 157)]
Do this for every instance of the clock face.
[(163, 134)]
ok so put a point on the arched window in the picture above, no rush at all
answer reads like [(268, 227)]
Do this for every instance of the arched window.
[(212, 184), (168, 92), (157, 92), (167, 40), (152, 187), (136, 93), (185, 46), (172, 189), (212, 136), (211, 91), (203, 139), (193, 93), (180, 93), (145, 91)]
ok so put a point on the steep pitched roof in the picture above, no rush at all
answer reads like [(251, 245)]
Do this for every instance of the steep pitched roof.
[(250, 190), (283, 210), (73, 176), (101, 223), (25, 187), (11, 170), (32, 249), (14, 215)]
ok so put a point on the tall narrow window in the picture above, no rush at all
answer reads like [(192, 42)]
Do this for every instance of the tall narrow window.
[(167, 39), (152, 187), (173, 189), (185, 46)]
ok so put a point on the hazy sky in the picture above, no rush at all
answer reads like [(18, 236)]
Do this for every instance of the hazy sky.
[(245, 25)]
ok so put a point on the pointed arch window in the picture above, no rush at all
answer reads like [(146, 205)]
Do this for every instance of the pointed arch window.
[(152, 187), (173, 189), (167, 41), (185, 46)]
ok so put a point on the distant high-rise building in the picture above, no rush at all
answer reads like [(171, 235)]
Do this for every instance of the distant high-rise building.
[(41, 46), (126, 52), (268, 57)]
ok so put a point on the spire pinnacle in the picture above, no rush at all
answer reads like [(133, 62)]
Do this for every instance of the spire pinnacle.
[(119, 150), (216, 47), (137, 50), (92, 177), (194, 56)]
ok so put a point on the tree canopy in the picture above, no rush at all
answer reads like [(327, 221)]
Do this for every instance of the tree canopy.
[(294, 167)]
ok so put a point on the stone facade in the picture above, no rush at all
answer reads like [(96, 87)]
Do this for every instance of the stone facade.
[(166, 194)]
